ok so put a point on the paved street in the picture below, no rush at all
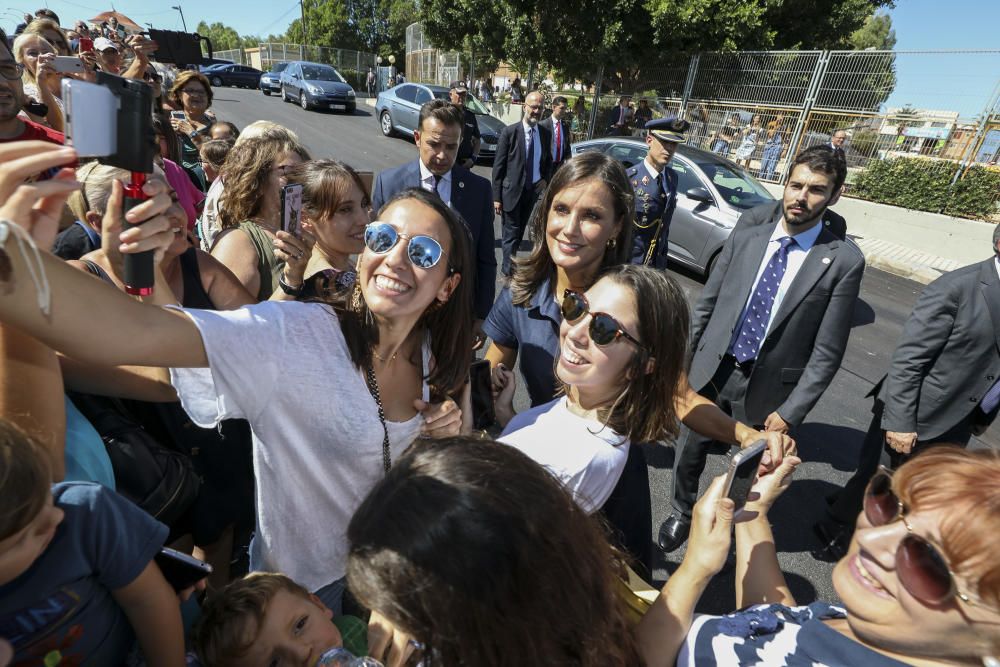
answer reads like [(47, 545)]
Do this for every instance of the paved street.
[(828, 441)]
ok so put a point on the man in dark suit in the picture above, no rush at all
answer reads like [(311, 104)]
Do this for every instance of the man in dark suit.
[(772, 323), (520, 168), (943, 385), (438, 137), (620, 118), (560, 131), (832, 221), (837, 140)]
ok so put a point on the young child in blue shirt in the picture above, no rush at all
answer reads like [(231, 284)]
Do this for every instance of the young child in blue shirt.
[(78, 584)]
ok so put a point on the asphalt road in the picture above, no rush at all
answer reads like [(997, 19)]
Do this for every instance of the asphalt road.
[(828, 441)]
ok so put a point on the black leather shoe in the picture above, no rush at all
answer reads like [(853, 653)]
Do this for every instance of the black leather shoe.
[(674, 532), (834, 537)]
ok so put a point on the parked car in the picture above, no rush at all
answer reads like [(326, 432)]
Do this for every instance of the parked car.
[(241, 76), (315, 85), (270, 82), (398, 110), (712, 193), (212, 62)]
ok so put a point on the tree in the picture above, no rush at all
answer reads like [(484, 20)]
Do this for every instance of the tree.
[(222, 36), (876, 33)]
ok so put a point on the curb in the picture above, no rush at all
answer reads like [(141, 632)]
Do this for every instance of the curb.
[(918, 273)]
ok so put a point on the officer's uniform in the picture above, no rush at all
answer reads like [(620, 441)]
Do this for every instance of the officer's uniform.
[(655, 198), (470, 127)]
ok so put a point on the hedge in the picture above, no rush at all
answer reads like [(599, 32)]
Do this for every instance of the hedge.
[(925, 185)]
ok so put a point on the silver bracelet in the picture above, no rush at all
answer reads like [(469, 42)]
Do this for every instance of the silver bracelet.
[(36, 269)]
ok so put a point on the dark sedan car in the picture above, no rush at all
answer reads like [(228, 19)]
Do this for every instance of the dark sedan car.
[(398, 110), (240, 76), (270, 82), (315, 85), (712, 192)]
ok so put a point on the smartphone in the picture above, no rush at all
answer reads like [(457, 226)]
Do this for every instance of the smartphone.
[(177, 115), (481, 378), (291, 208), (86, 45), (743, 472), (68, 65), (181, 570)]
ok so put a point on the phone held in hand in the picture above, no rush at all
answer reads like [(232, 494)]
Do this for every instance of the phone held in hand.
[(86, 45), (743, 472), (181, 570), (291, 208), (177, 115), (480, 376), (68, 65)]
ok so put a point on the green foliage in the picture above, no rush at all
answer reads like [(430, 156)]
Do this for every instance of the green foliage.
[(865, 141), (876, 33), (925, 185), (223, 37)]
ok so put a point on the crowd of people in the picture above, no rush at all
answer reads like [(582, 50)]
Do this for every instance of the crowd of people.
[(293, 408)]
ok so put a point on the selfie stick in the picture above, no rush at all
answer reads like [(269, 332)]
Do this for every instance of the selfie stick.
[(138, 266)]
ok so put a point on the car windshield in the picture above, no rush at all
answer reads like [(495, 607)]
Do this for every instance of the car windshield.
[(277, 68), (475, 106), (320, 73), (737, 187)]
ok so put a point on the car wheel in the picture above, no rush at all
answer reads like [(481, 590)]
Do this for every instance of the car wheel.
[(284, 95), (303, 100), (385, 121), (216, 81)]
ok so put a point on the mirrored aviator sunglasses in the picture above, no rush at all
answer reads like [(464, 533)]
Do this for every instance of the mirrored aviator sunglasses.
[(424, 252), (920, 565), (603, 329)]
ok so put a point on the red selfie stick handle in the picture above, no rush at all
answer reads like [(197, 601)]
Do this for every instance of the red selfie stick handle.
[(139, 276)]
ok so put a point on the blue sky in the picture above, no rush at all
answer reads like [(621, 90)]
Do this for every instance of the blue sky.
[(962, 82)]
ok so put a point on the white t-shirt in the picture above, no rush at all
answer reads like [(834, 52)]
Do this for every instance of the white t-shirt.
[(317, 438), (587, 457)]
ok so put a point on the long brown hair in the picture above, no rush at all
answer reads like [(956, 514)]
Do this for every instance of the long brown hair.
[(245, 173), (325, 185), (644, 409), (449, 324), (530, 273), (483, 556)]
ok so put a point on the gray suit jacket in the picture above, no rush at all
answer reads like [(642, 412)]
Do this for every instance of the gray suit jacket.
[(806, 342), (948, 354)]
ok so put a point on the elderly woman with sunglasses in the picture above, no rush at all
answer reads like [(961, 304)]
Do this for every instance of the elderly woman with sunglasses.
[(582, 226), (334, 392), (920, 584), (192, 93)]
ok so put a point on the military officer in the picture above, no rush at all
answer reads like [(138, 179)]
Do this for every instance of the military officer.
[(655, 186)]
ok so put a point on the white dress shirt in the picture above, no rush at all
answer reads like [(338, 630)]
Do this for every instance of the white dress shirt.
[(797, 253), (536, 167), (996, 263), (444, 185), (650, 169)]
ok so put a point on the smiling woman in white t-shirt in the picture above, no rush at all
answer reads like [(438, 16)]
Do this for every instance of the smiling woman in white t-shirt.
[(333, 392)]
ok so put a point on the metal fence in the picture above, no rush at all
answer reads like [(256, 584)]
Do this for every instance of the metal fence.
[(427, 64)]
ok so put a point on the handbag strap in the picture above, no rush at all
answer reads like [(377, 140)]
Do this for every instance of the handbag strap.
[(373, 389)]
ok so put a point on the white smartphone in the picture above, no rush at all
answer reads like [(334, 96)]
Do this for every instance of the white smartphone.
[(91, 113), (743, 472), (68, 65)]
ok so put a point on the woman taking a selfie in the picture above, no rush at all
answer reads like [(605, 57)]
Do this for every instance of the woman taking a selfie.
[(250, 211), (375, 363), (192, 93)]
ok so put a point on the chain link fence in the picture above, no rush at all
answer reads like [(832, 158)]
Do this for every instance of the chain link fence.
[(427, 64)]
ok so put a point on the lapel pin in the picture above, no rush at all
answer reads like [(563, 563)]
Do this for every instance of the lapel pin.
[(461, 184), (826, 260)]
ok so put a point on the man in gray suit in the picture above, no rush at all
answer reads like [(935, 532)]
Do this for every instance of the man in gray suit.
[(772, 323), (943, 384)]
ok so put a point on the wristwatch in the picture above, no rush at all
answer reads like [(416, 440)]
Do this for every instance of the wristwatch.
[(288, 289)]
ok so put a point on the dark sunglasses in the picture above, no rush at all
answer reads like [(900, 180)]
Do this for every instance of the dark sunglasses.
[(920, 565), (152, 77), (423, 251), (603, 329)]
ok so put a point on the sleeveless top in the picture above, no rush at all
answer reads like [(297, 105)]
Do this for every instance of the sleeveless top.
[(268, 265)]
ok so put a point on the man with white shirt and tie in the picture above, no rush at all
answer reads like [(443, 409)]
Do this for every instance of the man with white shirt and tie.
[(560, 131), (438, 136), (770, 328), (942, 387), (520, 169)]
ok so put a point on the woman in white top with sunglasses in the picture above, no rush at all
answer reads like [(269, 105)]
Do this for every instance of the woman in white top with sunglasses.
[(332, 392)]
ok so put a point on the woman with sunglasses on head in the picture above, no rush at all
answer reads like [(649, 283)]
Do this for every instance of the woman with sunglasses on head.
[(334, 392), (920, 584), (40, 81), (250, 211), (582, 226)]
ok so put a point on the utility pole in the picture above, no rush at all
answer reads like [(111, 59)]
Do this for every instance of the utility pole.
[(183, 22), (305, 33)]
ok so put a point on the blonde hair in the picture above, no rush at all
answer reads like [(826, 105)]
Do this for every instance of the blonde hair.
[(230, 621), (20, 44), (39, 26), (266, 129)]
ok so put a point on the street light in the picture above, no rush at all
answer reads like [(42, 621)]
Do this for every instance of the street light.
[(183, 22), (378, 60)]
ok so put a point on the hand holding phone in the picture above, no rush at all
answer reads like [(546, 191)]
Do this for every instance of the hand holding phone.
[(86, 45), (291, 209), (68, 65), (181, 570), (742, 472)]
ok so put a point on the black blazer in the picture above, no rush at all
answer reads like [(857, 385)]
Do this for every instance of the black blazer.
[(805, 344), (947, 358), (564, 130), (470, 197), (508, 165)]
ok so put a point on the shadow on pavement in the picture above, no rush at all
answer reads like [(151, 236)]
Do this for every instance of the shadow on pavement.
[(829, 443)]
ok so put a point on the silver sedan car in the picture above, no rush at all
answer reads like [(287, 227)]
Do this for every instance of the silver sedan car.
[(712, 193)]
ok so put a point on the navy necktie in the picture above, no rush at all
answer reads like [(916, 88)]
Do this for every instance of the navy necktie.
[(529, 164), (437, 181), (758, 313)]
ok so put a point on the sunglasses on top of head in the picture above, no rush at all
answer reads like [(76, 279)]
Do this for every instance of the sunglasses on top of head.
[(604, 329), (920, 566), (423, 252)]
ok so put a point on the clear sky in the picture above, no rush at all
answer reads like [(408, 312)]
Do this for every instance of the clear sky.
[(959, 82)]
